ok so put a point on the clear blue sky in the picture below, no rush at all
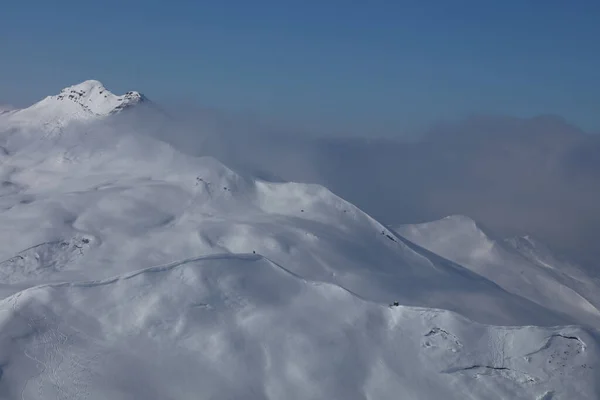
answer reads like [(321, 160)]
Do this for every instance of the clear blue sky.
[(354, 66)]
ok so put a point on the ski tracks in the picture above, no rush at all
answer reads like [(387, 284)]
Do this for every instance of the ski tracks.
[(65, 369)]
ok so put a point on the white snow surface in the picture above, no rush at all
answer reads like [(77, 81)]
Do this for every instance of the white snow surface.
[(519, 265), (129, 270), (84, 101)]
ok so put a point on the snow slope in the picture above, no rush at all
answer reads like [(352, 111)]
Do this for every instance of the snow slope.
[(266, 290), (240, 326), (519, 265), (139, 203)]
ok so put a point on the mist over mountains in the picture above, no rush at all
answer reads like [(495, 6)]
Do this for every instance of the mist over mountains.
[(516, 176)]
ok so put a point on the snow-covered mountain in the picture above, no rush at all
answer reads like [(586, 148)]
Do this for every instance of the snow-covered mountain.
[(129, 270), (87, 100), (519, 265)]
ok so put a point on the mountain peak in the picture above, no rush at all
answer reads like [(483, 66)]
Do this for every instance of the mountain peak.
[(95, 98), (86, 85), (83, 101)]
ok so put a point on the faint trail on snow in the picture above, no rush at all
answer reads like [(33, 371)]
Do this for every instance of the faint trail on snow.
[(60, 371)]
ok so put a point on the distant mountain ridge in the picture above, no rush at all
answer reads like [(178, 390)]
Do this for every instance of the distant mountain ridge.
[(519, 265)]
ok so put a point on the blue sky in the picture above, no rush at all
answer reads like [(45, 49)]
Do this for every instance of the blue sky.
[(377, 67)]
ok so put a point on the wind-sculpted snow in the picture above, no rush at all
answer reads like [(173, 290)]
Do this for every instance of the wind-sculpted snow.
[(239, 326), (129, 270)]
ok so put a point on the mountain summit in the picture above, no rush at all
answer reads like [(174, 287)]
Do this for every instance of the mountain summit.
[(84, 101), (92, 96)]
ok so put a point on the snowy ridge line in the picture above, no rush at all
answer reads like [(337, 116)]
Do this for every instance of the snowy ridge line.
[(153, 269), (460, 269), (175, 264), (320, 283), (513, 266), (444, 261), (563, 329)]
